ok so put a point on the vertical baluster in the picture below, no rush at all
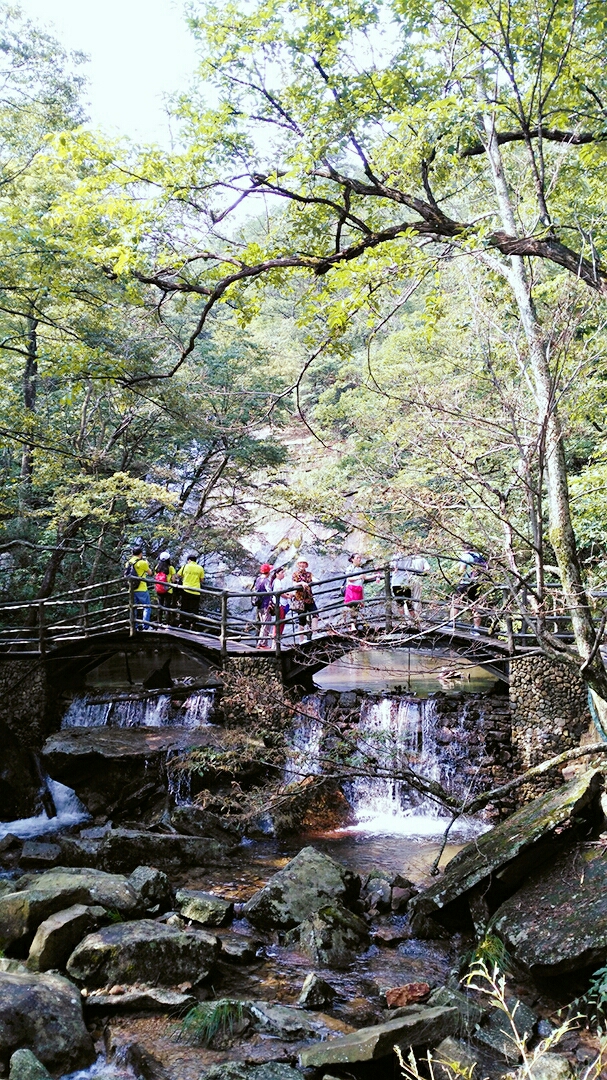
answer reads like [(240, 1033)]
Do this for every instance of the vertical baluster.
[(388, 598), (277, 629), (223, 634), (41, 629)]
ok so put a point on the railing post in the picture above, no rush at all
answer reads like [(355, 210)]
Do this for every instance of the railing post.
[(85, 617), (223, 633), (277, 628), (388, 598), (41, 629), (508, 623), (131, 609)]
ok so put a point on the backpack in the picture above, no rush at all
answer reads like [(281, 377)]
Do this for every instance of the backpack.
[(130, 572), (161, 582)]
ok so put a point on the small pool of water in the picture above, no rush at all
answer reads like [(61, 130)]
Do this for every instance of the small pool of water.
[(418, 672)]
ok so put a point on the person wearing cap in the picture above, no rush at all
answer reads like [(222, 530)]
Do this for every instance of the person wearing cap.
[(263, 603), (191, 575), (303, 599), (137, 570), (165, 574)]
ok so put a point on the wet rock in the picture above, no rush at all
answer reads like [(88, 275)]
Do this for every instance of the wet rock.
[(551, 1067), (237, 1070), (315, 993), (332, 936), (496, 1030), (391, 936), (25, 1066), (452, 1058), (38, 896), (57, 937), (20, 788), (557, 922), (194, 821), (43, 1013), (470, 1013), (38, 855), (152, 886), (421, 1026), (134, 999), (12, 965), (400, 898), (284, 1021), (143, 1064), (204, 907), (408, 994), (117, 771), (503, 857), (122, 850), (237, 949), (305, 884), (144, 952), (376, 892), (10, 850)]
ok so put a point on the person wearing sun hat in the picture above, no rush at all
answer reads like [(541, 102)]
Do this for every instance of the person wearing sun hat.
[(262, 602), (303, 598)]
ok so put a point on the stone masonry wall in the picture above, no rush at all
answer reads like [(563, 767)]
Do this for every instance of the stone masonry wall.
[(549, 708)]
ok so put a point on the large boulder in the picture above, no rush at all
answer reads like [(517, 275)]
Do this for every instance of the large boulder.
[(557, 922), (332, 936), (143, 952), (495, 864), (195, 821), (43, 1013), (123, 850), (38, 896), (119, 771), (20, 786), (57, 937), (305, 884), (417, 1026)]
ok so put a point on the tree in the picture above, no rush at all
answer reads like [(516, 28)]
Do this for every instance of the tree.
[(387, 141)]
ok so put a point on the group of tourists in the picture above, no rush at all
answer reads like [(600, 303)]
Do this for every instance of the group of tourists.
[(177, 591), (278, 594), (295, 594)]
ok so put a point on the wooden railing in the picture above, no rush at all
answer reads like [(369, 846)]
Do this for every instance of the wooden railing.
[(229, 618)]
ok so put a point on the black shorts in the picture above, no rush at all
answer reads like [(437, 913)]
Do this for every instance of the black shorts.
[(401, 592), (468, 590)]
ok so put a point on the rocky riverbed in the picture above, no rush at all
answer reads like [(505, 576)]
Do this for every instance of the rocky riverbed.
[(165, 955)]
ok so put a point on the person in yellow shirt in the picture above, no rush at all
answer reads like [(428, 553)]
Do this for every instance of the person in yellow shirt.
[(139, 568), (192, 577)]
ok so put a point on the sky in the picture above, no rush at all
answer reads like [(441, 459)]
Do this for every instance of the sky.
[(139, 51)]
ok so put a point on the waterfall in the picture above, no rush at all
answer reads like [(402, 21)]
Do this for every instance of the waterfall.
[(70, 811), (304, 758), (162, 710)]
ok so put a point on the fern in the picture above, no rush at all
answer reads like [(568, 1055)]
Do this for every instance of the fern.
[(592, 1006)]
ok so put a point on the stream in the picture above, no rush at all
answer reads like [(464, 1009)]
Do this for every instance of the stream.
[(390, 826)]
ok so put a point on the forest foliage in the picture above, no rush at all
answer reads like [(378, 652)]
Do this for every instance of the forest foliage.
[(309, 306)]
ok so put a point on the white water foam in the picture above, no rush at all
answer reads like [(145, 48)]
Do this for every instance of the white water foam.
[(160, 711), (102, 1070), (396, 734), (70, 811)]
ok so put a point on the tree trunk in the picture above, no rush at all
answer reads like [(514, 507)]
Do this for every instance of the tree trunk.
[(561, 533), (30, 386)]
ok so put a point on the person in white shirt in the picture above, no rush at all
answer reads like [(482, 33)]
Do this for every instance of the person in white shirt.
[(408, 572)]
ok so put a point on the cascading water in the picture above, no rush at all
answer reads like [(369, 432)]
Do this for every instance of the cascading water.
[(304, 760), (70, 811), (392, 733), (159, 711)]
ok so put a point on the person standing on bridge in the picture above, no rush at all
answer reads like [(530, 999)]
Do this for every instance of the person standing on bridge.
[(165, 574), (303, 602), (466, 594), (192, 577), (136, 571), (263, 604), (407, 574)]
